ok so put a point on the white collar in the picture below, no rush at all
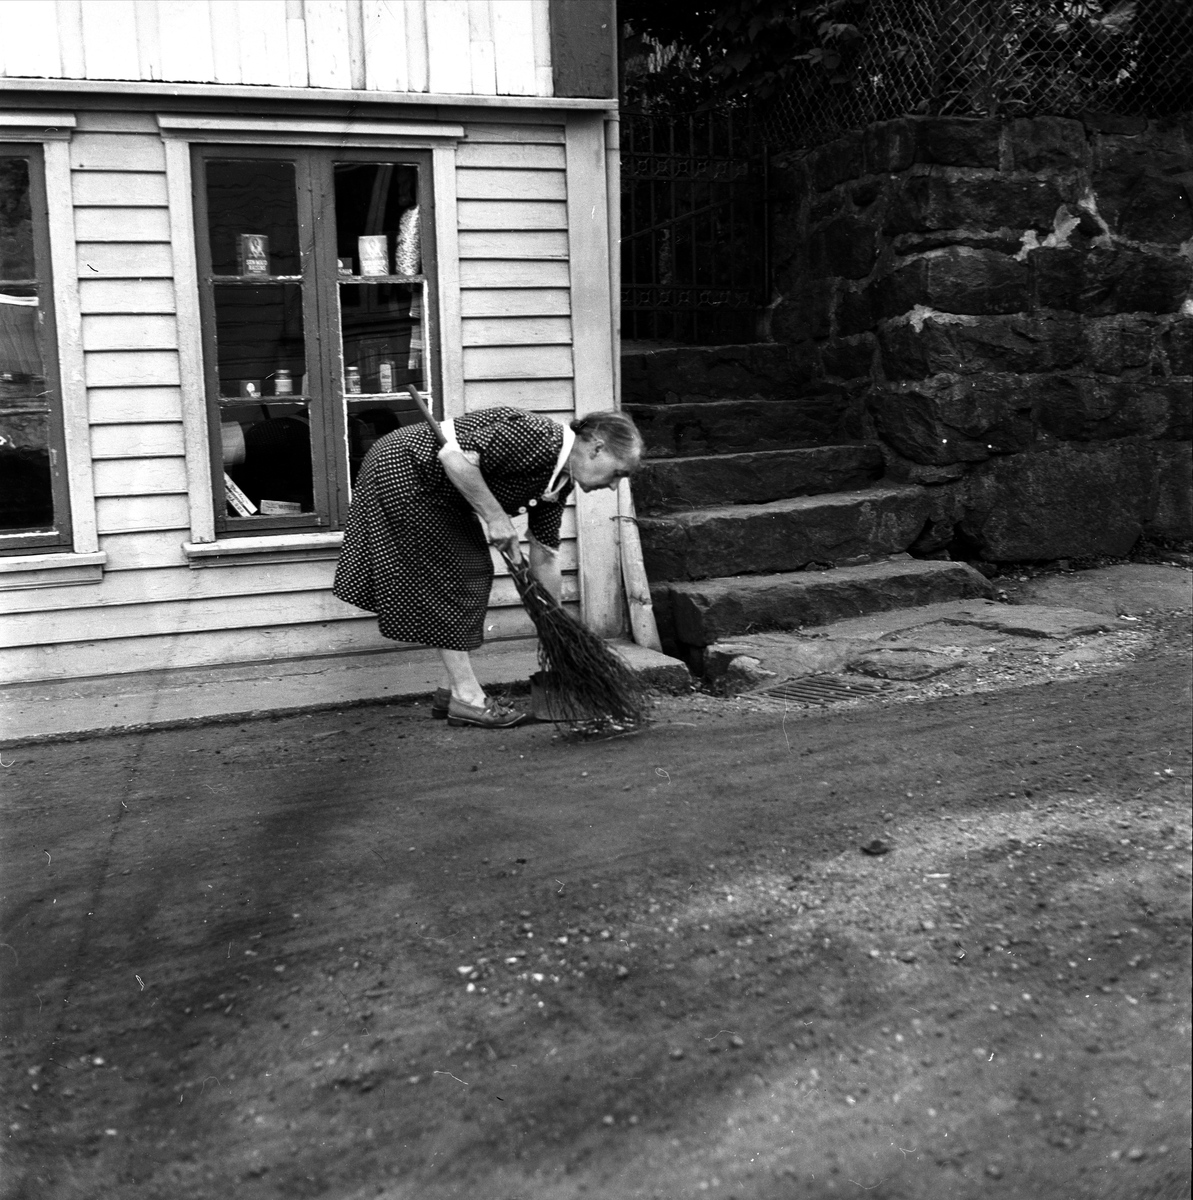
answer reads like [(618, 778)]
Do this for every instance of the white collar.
[(569, 440)]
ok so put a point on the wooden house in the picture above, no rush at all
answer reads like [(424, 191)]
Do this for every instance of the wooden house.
[(231, 232)]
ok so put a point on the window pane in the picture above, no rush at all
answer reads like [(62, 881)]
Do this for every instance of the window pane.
[(26, 488), (265, 416), (16, 221), (377, 219), (252, 217)]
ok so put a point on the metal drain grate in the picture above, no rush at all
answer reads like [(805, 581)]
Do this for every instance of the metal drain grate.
[(819, 689)]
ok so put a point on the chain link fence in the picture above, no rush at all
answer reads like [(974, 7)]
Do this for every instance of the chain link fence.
[(986, 58)]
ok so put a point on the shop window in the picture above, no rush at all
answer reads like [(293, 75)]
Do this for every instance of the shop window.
[(317, 279), (34, 509)]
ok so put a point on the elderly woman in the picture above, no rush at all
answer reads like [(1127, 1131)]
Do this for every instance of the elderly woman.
[(415, 553)]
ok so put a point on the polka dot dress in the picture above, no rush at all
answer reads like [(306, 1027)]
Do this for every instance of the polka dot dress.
[(414, 552)]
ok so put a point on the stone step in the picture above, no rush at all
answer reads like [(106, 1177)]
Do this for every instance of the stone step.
[(734, 426), (698, 614), (783, 535), (666, 484), (694, 374)]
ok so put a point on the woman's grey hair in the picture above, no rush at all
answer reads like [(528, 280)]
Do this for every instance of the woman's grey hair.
[(616, 430)]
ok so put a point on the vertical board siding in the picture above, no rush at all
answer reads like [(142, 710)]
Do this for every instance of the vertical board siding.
[(456, 47)]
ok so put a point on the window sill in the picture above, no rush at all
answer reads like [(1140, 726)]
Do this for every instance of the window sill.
[(51, 570), (254, 551)]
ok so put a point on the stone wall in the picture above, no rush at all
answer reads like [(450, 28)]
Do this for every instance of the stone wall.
[(1012, 301)]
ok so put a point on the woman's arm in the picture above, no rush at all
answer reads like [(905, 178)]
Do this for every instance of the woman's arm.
[(470, 483), (544, 565)]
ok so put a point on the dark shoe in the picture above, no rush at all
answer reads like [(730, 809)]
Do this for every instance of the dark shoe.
[(439, 703), (493, 715)]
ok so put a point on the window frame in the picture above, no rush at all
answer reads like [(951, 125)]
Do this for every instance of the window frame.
[(61, 537), (322, 331)]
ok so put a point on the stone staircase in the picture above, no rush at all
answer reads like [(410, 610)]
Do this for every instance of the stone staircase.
[(761, 503)]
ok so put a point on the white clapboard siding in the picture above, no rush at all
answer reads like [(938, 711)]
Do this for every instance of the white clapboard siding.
[(126, 296), (510, 155), (513, 273), (485, 183), (141, 440), (534, 394), (512, 214), (248, 583), (128, 189), (185, 34), (136, 551), (522, 132), (517, 362), (456, 47), (182, 649), (522, 302), (121, 405), (139, 476), (124, 622), (517, 331), (123, 368), (514, 243), (122, 514), (115, 331), (145, 260), (122, 224), (116, 152)]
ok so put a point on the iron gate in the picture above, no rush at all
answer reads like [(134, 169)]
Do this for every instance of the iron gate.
[(695, 245)]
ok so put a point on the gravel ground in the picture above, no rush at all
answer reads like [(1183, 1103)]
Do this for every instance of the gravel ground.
[(361, 954)]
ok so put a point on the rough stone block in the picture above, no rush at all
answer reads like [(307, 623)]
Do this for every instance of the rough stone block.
[(1033, 620), (1103, 409), (889, 146), (684, 483), (956, 420), (1113, 123), (1176, 343), (1157, 208), (849, 358), (836, 162), (845, 246), (1117, 344), (720, 608), (1047, 143), (828, 417), (783, 535), (804, 312), (1000, 241), (690, 374), (1104, 279), (1120, 162), (1020, 345), (1066, 501), (956, 280), (929, 202), (1170, 511), (854, 312), (957, 141)]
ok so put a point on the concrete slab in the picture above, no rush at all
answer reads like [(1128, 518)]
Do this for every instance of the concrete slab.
[(1130, 588), (1033, 620), (37, 711)]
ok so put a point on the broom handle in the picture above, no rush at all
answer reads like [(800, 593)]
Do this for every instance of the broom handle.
[(437, 430), (416, 396)]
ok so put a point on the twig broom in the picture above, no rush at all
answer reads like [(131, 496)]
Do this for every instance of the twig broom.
[(586, 683)]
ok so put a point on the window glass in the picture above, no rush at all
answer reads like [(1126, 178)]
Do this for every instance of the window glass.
[(381, 298), (265, 419), (26, 400)]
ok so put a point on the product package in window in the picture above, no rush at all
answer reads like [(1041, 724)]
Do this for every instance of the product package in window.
[(408, 252)]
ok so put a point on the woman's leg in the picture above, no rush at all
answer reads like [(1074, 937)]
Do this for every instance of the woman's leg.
[(464, 684)]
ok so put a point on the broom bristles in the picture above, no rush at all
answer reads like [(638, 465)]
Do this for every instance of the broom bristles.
[(588, 682)]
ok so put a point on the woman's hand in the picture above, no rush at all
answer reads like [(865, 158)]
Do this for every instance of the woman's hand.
[(504, 536)]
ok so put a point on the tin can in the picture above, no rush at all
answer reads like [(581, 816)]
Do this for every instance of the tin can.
[(352, 380), (374, 254), (283, 382), (386, 373), (253, 253)]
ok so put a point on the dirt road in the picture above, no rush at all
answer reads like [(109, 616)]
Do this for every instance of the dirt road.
[(363, 954)]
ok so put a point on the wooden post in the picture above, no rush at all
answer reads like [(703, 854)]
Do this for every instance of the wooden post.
[(592, 313)]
